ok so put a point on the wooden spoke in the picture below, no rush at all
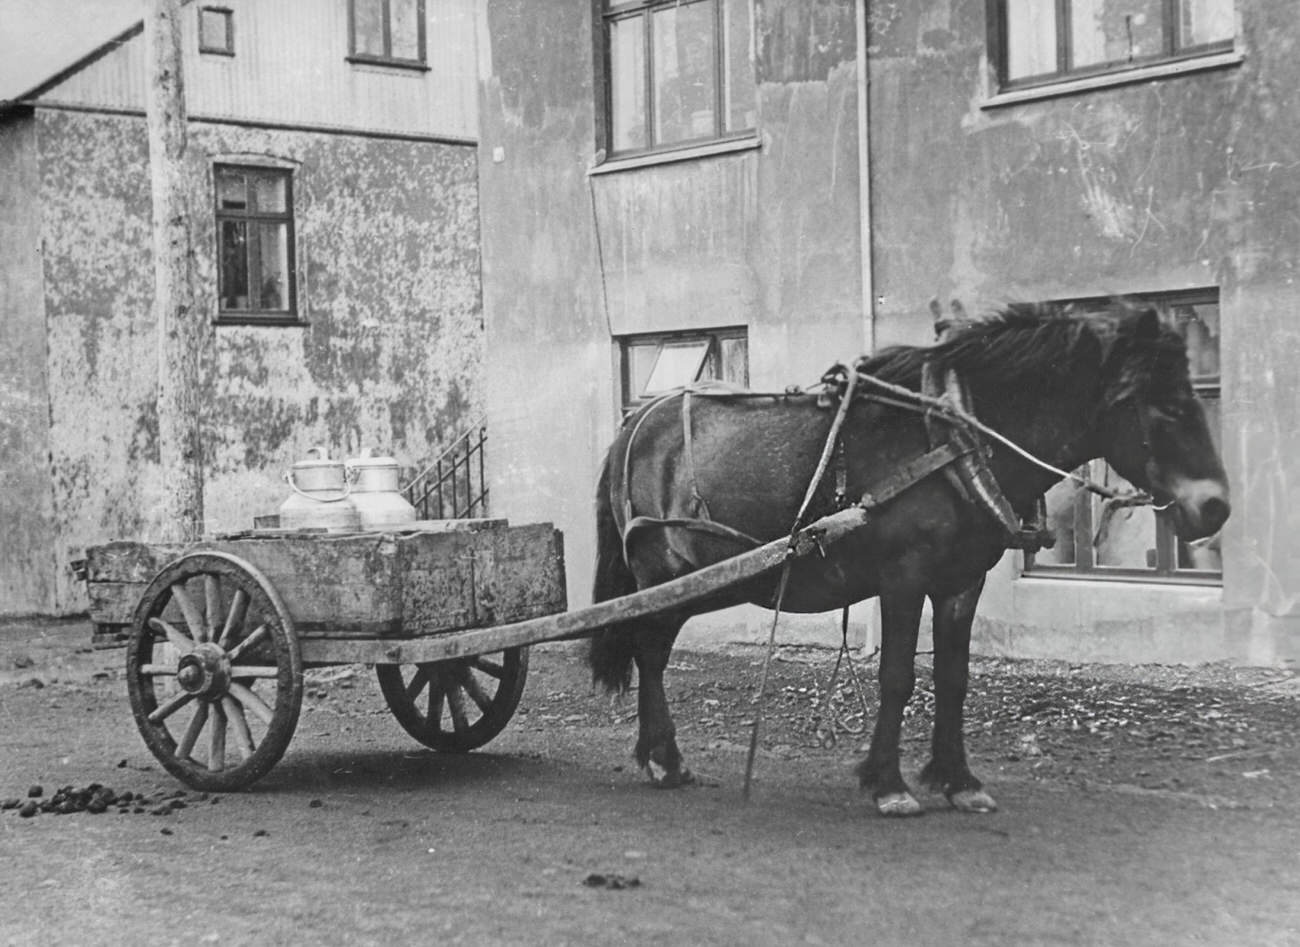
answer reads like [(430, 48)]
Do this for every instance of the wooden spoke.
[(437, 694), (491, 668), (186, 746), (419, 681), (456, 702), (217, 745), (254, 671), (169, 708), (251, 701), (211, 606), (256, 637), (234, 618), (159, 670), (174, 634), (239, 725), (191, 612), (465, 677)]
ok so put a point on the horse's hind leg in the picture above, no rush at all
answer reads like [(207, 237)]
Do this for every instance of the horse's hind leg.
[(947, 771), (656, 745), (900, 614)]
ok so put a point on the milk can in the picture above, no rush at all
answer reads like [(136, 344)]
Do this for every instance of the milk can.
[(321, 496), (379, 502)]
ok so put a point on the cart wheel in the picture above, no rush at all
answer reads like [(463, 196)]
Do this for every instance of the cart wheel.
[(458, 705), (214, 671)]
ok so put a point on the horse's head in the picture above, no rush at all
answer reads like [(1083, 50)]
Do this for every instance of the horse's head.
[(1152, 428)]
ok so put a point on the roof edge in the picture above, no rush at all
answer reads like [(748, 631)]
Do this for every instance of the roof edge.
[(67, 73)]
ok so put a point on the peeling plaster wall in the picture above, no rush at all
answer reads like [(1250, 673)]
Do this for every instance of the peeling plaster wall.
[(766, 238), (27, 562), (1178, 183), (388, 282)]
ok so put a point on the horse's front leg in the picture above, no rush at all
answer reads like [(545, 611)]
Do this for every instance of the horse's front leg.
[(947, 771), (900, 617), (656, 745)]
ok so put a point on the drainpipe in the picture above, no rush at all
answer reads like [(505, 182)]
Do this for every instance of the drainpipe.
[(864, 180)]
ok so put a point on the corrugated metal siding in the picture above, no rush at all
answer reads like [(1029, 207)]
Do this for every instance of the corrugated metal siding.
[(290, 68)]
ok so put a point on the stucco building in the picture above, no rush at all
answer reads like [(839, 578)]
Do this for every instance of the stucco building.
[(754, 190), (332, 191)]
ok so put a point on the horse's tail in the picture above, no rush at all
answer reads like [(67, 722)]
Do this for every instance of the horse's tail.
[(610, 651)]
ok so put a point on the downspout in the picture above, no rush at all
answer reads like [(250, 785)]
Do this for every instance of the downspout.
[(864, 180)]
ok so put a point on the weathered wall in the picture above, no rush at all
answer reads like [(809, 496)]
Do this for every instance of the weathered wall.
[(390, 357), (1178, 183), (766, 238), (27, 560)]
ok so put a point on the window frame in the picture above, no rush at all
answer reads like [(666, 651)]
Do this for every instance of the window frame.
[(1171, 60), (628, 402), (227, 14), (288, 316), (420, 63), (1166, 570), (608, 12)]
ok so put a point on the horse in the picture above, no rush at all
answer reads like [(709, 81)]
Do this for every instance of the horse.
[(702, 473)]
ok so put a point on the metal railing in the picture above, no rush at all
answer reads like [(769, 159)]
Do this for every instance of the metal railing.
[(454, 486)]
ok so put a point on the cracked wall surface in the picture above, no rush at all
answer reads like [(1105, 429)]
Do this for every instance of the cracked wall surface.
[(389, 357)]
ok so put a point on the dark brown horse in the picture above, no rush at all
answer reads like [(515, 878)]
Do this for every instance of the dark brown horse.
[(691, 480)]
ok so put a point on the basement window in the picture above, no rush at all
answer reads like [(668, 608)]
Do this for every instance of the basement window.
[(255, 241), (656, 363)]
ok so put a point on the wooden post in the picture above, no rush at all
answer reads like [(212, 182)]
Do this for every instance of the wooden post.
[(182, 331)]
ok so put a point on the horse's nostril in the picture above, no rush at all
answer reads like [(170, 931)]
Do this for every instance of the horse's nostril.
[(1214, 513)]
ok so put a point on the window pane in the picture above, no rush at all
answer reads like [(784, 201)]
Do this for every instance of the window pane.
[(1206, 21), (272, 266), (685, 60), (1031, 38), (1115, 31), (679, 363), (735, 361), (406, 29), (368, 23), (214, 30), (627, 82), (1060, 501), (738, 94), (269, 194), (234, 265), (1125, 536), (232, 191), (1198, 324)]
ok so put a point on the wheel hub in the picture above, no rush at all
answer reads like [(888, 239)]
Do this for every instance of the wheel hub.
[(205, 671)]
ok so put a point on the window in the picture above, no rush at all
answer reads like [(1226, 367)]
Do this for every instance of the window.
[(389, 32), (254, 211), (653, 364), (1137, 542), (1049, 40), (677, 72), (217, 31)]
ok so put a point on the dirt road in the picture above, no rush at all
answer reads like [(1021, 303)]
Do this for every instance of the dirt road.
[(1156, 806)]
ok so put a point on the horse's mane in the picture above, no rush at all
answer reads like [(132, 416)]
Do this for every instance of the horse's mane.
[(1039, 342)]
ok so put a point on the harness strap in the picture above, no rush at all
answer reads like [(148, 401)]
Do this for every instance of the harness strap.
[(698, 508)]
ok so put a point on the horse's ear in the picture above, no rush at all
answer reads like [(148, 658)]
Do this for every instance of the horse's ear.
[(1147, 324)]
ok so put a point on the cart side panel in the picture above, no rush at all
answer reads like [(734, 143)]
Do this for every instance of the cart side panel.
[(437, 578), (117, 574), (519, 574)]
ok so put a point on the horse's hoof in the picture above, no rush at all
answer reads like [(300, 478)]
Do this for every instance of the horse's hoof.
[(663, 778), (972, 800), (898, 805)]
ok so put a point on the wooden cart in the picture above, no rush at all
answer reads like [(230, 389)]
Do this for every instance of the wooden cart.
[(221, 631)]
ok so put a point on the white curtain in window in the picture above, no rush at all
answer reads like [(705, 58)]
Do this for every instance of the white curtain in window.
[(1031, 38), (1207, 21)]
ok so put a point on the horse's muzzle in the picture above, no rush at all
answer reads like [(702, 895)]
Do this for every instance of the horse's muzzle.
[(1201, 508)]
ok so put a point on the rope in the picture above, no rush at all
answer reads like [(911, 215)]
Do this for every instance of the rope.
[(828, 449)]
